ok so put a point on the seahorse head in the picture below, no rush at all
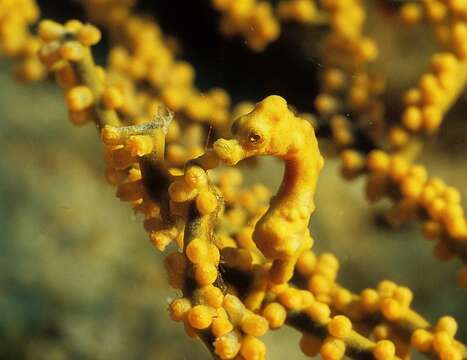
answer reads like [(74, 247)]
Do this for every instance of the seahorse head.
[(269, 129)]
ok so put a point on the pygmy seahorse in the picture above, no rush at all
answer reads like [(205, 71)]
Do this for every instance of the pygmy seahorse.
[(282, 234)]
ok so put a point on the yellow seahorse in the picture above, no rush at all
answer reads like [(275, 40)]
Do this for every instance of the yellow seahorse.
[(282, 234)]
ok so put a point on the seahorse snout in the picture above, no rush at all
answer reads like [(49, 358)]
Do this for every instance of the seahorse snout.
[(230, 151)]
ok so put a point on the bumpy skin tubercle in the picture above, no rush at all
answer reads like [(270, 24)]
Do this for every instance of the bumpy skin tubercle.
[(272, 129)]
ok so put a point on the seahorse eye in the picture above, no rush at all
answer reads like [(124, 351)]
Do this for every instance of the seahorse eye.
[(254, 138)]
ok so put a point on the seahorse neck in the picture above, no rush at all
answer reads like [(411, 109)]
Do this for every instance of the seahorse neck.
[(300, 176)]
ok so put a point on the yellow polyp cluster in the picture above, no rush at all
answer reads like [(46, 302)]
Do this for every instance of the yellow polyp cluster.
[(179, 308), (341, 131), (275, 314), (200, 316), (235, 329), (440, 340), (140, 145), (227, 346), (79, 98), (253, 348), (72, 51), (112, 97), (302, 11), (411, 13), (50, 30), (193, 189), (441, 203), (362, 92), (193, 185), (339, 327), (447, 17), (70, 59), (254, 325), (332, 349), (259, 23), (427, 104), (394, 301), (415, 195), (253, 20), (88, 35), (210, 107), (143, 57), (389, 301), (291, 298), (350, 95), (127, 148), (384, 350), (186, 147), (346, 46), (437, 90), (17, 41), (353, 163)]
